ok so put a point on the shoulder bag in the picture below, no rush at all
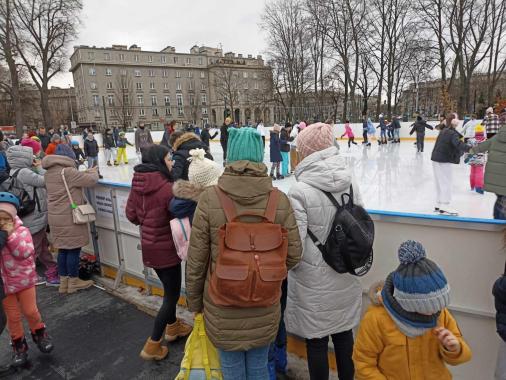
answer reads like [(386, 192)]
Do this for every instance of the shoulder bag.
[(81, 214)]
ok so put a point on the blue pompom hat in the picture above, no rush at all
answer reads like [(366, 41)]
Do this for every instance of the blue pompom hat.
[(420, 286)]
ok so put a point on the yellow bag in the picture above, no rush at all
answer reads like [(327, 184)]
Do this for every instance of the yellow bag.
[(200, 361)]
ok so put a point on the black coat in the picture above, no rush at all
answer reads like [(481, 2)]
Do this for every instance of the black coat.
[(275, 148), (206, 137), (44, 141), (109, 141), (224, 135), (419, 127), (284, 140), (499, 292), (449, 148), (181, 155), (91, 148)]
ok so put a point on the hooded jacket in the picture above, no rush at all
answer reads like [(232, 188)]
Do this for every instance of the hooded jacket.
[(382, 352), (18, 260), (91, 148), (109, 141), (448, 148), (181, 148), (419, 127), (65, 233), (321, 301), (495, 171), (143, 138), (147, 206), (275, 147), (21, 158), (235, 329)]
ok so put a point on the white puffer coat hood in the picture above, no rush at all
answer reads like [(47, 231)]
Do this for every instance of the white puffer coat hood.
[(321, 301)]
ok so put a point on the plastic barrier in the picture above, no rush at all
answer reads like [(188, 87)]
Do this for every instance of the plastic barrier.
[(470, 251)]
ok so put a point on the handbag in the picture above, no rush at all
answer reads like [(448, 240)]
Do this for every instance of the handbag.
[(181, 230), (200, 361), (82, 214)]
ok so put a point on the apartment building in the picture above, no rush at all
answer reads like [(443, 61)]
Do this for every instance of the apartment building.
[(123, 86)]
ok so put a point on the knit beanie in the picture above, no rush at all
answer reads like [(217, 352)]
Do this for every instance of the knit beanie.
[(202, 171), (65, 150), (420, 285), (315, 138), (489, 110), (245, 144), (55, 137), (302, 126), (30, 143)]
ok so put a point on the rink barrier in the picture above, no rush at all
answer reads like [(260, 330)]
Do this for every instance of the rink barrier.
[(469, 250)]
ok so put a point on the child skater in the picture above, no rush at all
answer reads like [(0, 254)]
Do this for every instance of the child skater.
[(275, 150), (19, 277), (349, 133), (122, 154), (408, 332), (477, 161)]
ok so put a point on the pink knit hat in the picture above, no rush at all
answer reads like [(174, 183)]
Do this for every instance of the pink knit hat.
[(35, 145), (315, 138), (9, 209), (302, 126)]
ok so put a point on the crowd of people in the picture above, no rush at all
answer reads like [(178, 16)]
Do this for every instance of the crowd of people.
[(251, 283)]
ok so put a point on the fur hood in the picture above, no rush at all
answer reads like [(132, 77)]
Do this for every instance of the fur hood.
[(187, 190), (184, 138), (375, 293)]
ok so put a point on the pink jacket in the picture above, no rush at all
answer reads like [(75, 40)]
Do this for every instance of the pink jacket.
[(348, 131), (18, 260)]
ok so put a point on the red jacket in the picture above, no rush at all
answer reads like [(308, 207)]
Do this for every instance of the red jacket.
[(148, 206)]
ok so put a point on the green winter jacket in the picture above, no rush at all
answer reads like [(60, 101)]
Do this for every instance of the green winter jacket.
[(495, 171)]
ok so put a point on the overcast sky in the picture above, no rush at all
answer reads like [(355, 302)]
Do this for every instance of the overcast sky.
[(155, 24)]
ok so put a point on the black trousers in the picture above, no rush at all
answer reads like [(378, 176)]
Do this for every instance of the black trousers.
[(317, 359), (171, 280), (364, 135), (224, 147), (420, 141)]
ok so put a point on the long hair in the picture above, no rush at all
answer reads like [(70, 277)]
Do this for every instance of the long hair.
[(155, 155)]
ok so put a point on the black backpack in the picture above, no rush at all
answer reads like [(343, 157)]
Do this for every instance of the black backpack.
[(348, 248), (27, 204)]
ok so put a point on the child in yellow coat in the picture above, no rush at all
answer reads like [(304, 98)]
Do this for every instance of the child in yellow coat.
[(408, 333)]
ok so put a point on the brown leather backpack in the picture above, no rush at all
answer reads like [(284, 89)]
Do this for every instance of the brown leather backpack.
[(251, 262)]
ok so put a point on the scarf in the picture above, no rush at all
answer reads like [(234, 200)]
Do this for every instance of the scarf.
[(410, 324)]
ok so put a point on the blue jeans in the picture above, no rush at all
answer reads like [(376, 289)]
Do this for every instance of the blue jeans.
[(397, 134), (285, 163), (92, 162), (68, 262), (500, 207), (278, 360), (383, 134), (245, 365)]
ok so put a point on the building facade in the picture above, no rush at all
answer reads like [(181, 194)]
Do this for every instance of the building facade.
[(125, 86)]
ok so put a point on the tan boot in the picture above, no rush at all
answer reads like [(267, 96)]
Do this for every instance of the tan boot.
[(154, 350), (178, 329), (64, 285), (75, 284)]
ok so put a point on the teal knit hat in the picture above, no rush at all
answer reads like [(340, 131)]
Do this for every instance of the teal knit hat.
[(244, 144)]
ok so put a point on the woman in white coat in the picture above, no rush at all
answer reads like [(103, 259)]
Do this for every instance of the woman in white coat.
[(321, 302)]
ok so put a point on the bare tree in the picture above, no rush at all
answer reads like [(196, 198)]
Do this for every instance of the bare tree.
[(497, 56), (43, 28), (123, 109), (10, 83), (227, 84)]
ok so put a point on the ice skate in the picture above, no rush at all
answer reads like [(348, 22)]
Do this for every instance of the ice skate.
[(448, 212)]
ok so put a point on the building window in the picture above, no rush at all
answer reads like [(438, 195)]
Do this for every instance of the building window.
[(107, 56), (91, 55), (190, 86), (179, 100), (93, 85), (245, 75), (200, 60), (168, 112), (163, 59), (204, 111), (164, 73), (180, 111), (150, 58), (202, 74), (141, 112), (175, 59), (188, 61), (152, 85), (136, 57), (96, 100), (192, 100), (109, 85), (167, 101), (138, 85), (246, 86), (165, 86), (128, 112), (178, 86), (110, 100), (122, 57), (256, 86), (124, 85), (140, 100), (178, 74), (151, 73), (97, 113), (255, 75), (190, 74), (155, 111), (204, 99), (203, 87), (153, 100), (126, 99), (92, 71), (137, 73), (108, 72), (123, 72)]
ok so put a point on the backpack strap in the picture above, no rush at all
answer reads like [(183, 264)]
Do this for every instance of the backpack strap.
[(227, 204), (272, 205)]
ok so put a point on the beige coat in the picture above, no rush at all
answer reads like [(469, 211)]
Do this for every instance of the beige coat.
[(235, 329), (66, 234)]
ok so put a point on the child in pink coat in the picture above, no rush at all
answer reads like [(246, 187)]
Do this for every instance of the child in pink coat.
[(17, 265), (349, 132)]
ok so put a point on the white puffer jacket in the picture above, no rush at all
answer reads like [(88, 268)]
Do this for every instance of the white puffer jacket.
[(321, 302)]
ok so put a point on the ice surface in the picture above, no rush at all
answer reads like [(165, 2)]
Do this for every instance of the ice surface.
[(391, 178)]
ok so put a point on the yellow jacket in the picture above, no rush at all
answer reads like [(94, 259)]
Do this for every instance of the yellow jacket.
[(382, 352)]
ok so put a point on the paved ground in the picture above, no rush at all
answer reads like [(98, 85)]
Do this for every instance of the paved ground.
[(97, 336)]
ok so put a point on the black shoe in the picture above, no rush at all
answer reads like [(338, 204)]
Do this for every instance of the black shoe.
[(280, 177), (20, 352), (43, 340), (100, 176), (273, 177)]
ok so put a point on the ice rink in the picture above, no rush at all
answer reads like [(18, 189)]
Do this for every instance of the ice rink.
[(391, 178)]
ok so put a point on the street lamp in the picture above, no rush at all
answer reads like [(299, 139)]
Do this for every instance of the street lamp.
[(70, 102)]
